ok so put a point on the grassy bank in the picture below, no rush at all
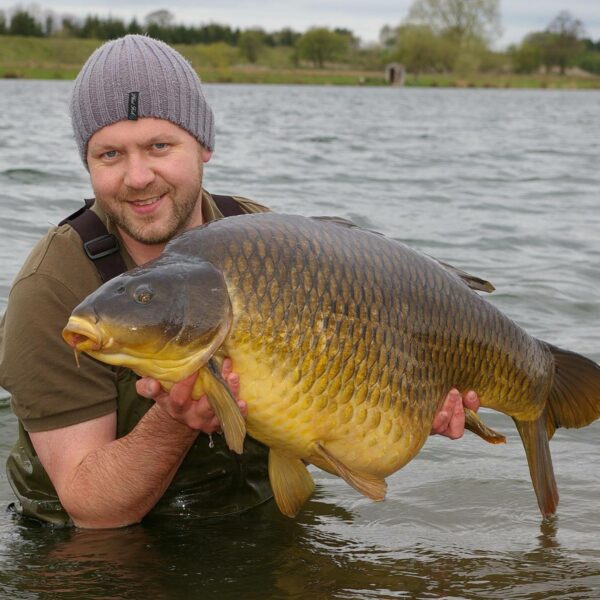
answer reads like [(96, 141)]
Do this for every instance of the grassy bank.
[(55, 58)]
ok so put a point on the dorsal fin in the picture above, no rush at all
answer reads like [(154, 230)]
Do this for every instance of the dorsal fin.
[(345, 223), (475, 283), (338, 221)]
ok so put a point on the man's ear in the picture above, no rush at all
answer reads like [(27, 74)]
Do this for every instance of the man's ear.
[(206, 154)]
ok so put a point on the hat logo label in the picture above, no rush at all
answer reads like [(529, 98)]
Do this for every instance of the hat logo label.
[(132, 106)]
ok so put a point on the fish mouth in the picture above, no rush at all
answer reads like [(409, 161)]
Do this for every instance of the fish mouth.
[(83, 335)]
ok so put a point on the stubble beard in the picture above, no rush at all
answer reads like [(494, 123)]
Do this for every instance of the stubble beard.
[(150, 230)]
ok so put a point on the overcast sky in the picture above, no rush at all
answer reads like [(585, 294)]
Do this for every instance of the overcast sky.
[(364, 17)]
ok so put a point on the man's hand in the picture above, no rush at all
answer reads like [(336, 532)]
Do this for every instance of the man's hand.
[(179, 404), (450, 419)]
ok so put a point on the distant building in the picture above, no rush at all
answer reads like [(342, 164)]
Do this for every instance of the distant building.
[(395, 74)]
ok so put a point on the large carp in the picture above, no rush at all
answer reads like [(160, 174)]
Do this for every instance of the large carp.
[(345, 341)]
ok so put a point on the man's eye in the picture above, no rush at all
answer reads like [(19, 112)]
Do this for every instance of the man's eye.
[(110, 154), (160, 145)]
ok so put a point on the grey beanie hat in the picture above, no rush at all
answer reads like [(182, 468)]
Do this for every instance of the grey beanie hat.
[(137, 76)]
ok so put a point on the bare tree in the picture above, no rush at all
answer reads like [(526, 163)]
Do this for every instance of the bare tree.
[(461, 20), (162, 18)]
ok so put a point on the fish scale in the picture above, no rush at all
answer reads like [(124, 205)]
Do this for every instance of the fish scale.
[(346, 343)]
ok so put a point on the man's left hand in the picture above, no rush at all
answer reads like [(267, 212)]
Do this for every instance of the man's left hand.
[(450, 419)]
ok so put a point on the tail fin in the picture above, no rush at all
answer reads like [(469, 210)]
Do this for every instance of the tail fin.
[(574, 400), (535, 440)]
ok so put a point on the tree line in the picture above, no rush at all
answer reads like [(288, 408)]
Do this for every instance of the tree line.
[(317, 45), (458, 36), (437, 36), (159, 24)]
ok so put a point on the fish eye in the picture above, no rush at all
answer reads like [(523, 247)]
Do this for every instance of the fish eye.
[(143, 294)]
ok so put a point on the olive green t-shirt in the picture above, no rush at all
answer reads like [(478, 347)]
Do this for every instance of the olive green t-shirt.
[(48, 390)]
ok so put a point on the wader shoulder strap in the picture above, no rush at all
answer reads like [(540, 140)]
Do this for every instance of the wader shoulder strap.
[(102, 248), (227, 205)]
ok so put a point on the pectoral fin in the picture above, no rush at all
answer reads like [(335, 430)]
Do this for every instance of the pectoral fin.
[(368, 485), (478, 427), (211, 383), (291, 482)]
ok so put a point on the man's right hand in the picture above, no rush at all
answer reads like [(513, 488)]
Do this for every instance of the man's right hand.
[(179, 404)]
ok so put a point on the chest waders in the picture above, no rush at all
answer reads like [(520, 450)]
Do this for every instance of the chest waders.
[(212, 481)]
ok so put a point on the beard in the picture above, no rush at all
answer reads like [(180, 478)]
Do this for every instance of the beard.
[(151, 229)]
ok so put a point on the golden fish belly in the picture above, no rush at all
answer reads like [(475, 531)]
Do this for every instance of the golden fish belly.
[(366, 429)]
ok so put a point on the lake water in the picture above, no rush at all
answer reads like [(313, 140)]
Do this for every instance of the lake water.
[(504, 184)]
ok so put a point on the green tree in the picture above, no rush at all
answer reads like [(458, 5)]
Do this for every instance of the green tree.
[(70, 27), (91, 28), (134, 26), (420, 50), (353, 41), (113, 28), (560, 45), (2, 23), (320, 45), (251, 43), (458, 19), (285, 37), (590, 61), (564, 43), (526, 57), (22, 23)]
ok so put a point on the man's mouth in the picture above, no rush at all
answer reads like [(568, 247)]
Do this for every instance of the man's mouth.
[(147, 201)]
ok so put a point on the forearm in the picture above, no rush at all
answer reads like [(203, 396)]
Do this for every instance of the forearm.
[(118, 483)]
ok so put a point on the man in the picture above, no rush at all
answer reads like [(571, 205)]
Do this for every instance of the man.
[(97, 447)]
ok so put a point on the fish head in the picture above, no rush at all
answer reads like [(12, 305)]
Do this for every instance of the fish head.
[(162, 320)]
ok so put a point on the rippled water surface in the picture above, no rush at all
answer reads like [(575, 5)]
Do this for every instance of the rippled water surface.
[(504, 184)]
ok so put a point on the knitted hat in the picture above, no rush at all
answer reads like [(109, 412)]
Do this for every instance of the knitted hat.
[(137, 76)]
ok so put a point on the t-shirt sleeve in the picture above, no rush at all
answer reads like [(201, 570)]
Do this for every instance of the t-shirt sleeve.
[(39, 369)]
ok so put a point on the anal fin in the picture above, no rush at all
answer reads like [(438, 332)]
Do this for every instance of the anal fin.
[(368, 485), (291, 482), (474, 423), (535, 439), (223, 403)]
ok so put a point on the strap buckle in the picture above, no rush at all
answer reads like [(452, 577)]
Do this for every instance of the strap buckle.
[(101, 246)]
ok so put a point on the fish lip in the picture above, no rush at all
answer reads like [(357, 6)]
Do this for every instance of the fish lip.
[(83, 335)]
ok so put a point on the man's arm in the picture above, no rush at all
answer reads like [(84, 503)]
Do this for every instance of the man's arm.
[(105, 482)]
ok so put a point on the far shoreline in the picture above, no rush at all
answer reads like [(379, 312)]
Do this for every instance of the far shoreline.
[(336, 78), (62, 58)]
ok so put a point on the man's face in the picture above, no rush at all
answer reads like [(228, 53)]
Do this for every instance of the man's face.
[(147, 176)]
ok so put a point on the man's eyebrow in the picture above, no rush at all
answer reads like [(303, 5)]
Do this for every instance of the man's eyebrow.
[(101, 147), (154, 139), (161, 138)]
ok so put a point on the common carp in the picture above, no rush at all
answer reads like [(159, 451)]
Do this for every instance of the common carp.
[(346, 343)]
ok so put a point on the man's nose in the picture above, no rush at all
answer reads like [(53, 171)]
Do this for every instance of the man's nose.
[(139, 174)]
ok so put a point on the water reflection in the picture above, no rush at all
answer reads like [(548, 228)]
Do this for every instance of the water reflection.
[(262, 554)]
